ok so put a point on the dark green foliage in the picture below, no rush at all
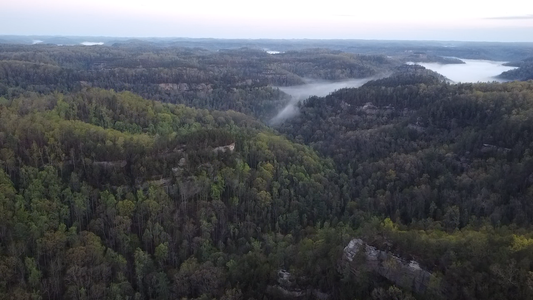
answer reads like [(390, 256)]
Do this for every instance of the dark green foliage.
[(107, 195), (523, 72), (448, 163), (240, 80), (419, 150)]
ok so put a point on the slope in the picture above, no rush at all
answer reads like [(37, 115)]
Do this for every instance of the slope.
[(109, 195)]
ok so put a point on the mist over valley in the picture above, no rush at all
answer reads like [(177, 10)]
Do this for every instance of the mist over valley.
[(322, 88), (92, 43), (472, 70), (264, 169), (290, 150), (312, 88)]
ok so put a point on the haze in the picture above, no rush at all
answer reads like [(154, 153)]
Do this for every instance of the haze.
[(474, 20)]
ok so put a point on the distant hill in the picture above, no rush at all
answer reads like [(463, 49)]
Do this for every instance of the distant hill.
[(398, 49), (409, 74), (523, 72), (145, 169), (424, 57), (242, 79)]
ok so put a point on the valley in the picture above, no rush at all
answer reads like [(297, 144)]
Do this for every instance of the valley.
[(471, 71), (222, 169)]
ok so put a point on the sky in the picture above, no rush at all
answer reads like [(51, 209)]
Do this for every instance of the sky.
[(460, 20)]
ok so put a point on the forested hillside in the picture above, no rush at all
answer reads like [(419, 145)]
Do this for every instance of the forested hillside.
[(453, 147), (139, 172), (436, 51), (523, 72), (449, 164), (107, 195), (239, 79)]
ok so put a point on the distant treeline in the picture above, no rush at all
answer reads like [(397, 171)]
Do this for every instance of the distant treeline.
[(523, 72), (243, 79)]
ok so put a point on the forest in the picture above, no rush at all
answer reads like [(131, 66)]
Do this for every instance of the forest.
[(523, 72), (142, 172), (236, 79)]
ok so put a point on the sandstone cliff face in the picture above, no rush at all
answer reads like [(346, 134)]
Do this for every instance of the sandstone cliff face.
[(230, 148), (405, 274)]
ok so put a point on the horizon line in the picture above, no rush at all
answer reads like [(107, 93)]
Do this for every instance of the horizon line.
[(260, 38)]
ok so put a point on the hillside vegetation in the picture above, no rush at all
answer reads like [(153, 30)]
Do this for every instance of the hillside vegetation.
[(523, 72), (108, 195), (449, 165), (243, 79), (140, 172)]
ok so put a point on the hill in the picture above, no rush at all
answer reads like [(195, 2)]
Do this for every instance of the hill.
[(523, 72), (108, 195), (408, 187), (241, 79), (446, 164)]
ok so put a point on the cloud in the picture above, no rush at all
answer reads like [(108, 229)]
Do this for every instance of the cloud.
[(522, 17)]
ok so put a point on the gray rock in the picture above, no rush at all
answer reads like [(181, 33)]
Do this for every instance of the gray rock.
[(288, 289), (403, 273)]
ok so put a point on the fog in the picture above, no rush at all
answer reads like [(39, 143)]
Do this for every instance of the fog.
[(273, 52), (92, 43), (472, 71), (312, 88)]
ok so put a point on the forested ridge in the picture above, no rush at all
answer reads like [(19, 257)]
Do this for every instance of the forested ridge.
[(450, 165), (459, 143), (141, 172), (523, 72), (108, 195), (441, 51), (239, 79)]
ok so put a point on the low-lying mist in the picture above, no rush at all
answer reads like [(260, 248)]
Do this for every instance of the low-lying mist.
[(472, 71), (92, 43), (312, 88)]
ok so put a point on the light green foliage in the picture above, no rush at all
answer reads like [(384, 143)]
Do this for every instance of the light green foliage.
[(145, 198), (34, 275), (108, 195)]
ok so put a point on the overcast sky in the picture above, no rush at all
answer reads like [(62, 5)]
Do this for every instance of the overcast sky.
[(475, 20)]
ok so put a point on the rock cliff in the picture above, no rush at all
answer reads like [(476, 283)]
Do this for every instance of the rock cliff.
[(406, 274)]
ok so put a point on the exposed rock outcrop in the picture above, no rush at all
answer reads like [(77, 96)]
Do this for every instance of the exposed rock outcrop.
[(493, 148), (168, 86), (403, 273), (287, 288), (230, 148)]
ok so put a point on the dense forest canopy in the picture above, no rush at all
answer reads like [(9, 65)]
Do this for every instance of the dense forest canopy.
[(399, 48), (108, 195), (142, 171), (524, 71), (242, 79), (432, 156)]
